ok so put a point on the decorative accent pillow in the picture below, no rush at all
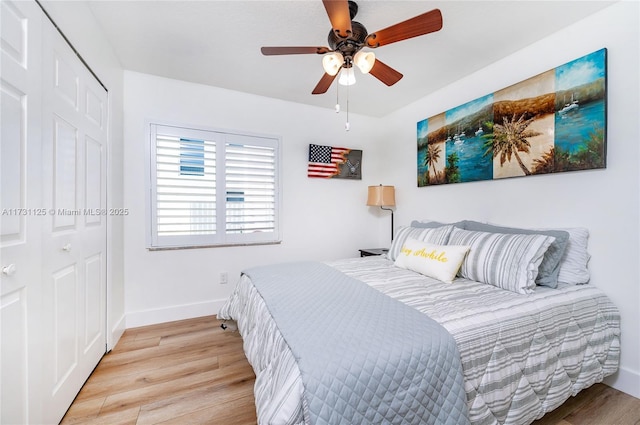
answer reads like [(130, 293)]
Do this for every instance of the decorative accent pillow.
[(438, 236), (550, 265), (438, 261), (507, 261)]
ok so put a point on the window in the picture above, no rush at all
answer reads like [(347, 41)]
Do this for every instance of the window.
[(191, 157), (212, 188)]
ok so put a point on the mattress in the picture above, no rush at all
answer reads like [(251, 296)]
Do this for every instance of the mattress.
[(522, 355)]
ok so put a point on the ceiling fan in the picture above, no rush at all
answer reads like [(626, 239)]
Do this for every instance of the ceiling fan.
[(347, 38)]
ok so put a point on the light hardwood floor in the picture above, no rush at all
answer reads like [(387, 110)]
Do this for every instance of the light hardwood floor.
[(193, 372)]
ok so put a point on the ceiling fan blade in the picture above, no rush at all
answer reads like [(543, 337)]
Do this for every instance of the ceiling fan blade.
[(385, 73), (420, 25), (324, 84), (338, 11), (268, 51)]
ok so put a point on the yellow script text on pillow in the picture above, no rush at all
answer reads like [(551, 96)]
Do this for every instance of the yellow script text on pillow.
[(438, 261), (433, 255)]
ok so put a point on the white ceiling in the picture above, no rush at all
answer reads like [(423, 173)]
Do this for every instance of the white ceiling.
[(218, 43)]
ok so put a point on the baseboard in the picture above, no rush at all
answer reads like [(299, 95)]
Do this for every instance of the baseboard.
[(172, 313), (116, 332), (626, 381)]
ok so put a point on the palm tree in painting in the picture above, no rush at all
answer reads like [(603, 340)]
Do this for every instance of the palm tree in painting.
[(509, 138), (561, 160), (433, 155), (546, 164), (591, 154), (452, 172)]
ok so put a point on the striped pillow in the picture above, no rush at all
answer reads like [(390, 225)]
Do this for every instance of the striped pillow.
[(508, 261), (550, 265), (574, 263), (436, 236)]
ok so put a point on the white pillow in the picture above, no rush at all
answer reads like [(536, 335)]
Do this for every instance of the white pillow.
[(573, 264), (507, 261), (437, 261)]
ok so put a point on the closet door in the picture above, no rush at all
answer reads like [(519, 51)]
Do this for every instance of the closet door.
[(53, 219), (21, 212), (74, 235)]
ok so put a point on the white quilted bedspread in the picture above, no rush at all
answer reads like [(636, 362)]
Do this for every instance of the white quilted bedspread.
[(522, 355)]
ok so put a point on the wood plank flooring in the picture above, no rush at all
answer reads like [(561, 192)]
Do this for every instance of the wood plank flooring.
[(193, 372)]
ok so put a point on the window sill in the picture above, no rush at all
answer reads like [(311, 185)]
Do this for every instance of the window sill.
[(173, 248)]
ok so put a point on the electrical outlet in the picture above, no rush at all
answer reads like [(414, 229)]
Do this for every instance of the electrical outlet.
[(224, 278)]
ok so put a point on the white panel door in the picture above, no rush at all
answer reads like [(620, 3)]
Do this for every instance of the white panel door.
[(21, 212), (74, 235)]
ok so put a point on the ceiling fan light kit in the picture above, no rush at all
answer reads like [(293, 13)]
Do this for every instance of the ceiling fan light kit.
[(332, 63)]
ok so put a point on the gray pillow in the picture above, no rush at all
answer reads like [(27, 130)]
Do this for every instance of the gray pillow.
[(432, 224), (550, 266), (426, 224)]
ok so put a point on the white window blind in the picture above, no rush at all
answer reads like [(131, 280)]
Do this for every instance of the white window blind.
[(212, 188)]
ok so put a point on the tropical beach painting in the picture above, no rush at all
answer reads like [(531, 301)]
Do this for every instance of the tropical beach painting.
[(550, 123)]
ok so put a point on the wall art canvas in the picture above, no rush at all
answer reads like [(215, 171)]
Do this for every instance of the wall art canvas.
[(333, 162), (553, 122)]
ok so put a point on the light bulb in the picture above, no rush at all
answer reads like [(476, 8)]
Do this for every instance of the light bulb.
[(332, 63), (364, 61), (347, 77)]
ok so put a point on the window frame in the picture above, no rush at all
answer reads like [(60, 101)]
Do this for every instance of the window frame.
[(221, 138)]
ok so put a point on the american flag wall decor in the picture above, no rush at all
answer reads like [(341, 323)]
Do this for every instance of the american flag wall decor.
[(332, 162)]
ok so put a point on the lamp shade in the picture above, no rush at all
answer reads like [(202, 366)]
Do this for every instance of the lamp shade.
[(332, 63), (364, 61), (347, 77), (382, 196)]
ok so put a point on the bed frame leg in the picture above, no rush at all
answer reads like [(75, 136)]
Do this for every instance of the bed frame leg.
[(231, 325)]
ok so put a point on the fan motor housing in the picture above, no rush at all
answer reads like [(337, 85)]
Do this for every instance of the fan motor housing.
[(350, 45)]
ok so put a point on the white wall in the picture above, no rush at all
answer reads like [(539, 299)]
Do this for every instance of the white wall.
[(605, 201), (81, 29), (321, 219)]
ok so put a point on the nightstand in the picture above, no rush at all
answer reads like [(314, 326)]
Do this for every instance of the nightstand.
[(373, 251)]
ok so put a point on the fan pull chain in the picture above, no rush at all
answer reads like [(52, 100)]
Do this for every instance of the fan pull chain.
[(337, 98), (347, 126)]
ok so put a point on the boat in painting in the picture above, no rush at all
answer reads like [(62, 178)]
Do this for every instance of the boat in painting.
[(569, 106)]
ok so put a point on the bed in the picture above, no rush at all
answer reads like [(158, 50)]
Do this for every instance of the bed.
[(529, 331)]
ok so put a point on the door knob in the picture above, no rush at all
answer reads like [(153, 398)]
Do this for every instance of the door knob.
[(67, 247), (9, 270)]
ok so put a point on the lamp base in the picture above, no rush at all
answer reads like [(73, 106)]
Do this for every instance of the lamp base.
[(389, 209)]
